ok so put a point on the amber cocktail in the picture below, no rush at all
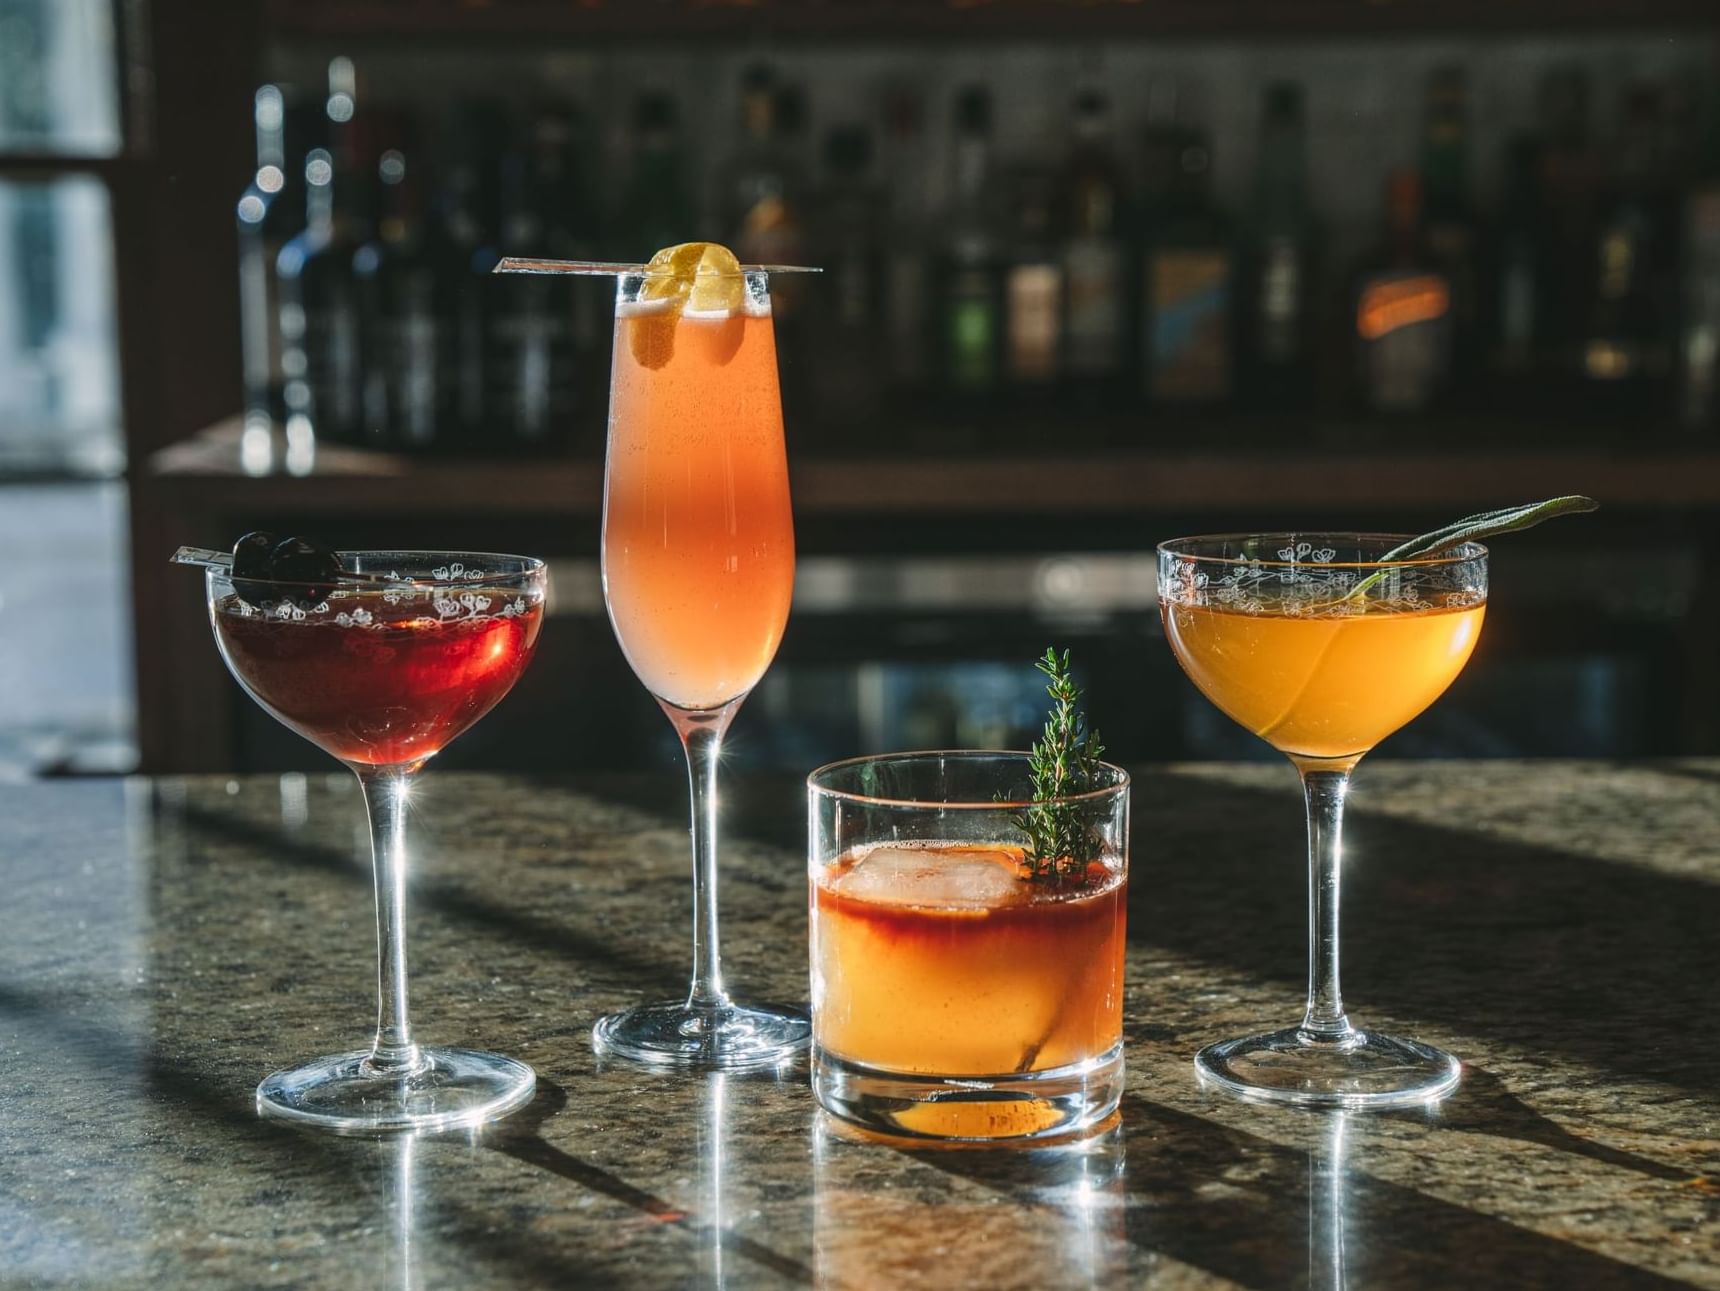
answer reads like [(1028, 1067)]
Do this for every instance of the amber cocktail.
[(1322, 645), (953, 994)]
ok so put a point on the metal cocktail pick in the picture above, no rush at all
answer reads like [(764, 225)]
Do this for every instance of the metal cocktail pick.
[(611, 269)]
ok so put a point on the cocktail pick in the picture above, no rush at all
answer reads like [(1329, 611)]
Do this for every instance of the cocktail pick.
[(207, 558), (612, 268)]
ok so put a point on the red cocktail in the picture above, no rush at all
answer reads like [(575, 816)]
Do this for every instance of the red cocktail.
[(379, 679)]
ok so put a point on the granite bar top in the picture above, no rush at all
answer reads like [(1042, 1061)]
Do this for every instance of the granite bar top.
[(164, 944)]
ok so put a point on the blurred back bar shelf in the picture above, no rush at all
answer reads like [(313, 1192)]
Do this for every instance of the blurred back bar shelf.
[(1095, 273), (392, 19)]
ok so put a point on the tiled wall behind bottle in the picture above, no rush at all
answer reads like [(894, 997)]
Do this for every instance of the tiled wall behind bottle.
[(1364, 96)]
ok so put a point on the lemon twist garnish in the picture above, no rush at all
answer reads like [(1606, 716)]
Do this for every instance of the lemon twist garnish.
[(699, 275)]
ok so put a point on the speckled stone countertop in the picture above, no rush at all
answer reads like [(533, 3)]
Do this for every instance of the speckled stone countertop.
[(165, 944)]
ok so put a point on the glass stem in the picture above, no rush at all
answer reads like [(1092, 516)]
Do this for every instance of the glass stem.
[(385, 794), (1324, 788), (701, 733)]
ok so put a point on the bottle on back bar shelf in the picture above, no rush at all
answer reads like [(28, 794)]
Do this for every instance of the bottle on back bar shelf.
[(656, 208), (540, 331), (1699, 327), (318, 302), (1448, 223), (1033, 292), (1188, 268), (907, 266), (405, 308), (1279, 321), (1570, 180), (1402, 318), (1516, 309), (1627, 351), (970, 297), (271, 210), (1094, 257), (849, 334), (463, 244)]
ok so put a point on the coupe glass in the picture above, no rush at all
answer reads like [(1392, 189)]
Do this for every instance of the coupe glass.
[(1322, 648), (381, 668), (698, 571)]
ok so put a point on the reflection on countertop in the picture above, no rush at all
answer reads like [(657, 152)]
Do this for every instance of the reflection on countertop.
[(163, 944)]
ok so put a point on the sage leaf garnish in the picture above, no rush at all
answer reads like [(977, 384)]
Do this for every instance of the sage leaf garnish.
[(1483, 524)]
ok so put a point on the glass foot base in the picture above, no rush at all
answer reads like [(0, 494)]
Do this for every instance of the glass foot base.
[(454, 1088), (729, 1038), (1025, 1105), (1365, 1070)]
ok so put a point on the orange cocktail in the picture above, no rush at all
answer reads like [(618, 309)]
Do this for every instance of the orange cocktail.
[(932, 960), (1329, 682), (698, 571), (1322, 645), (698, 537), (958, 990)]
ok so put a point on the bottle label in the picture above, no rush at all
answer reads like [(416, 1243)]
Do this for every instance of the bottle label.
[(1188, 297), (907, 306), (1033, 292), (1403, 322), (531, 348), (972, 333), (1094, 318), (1280, 300)]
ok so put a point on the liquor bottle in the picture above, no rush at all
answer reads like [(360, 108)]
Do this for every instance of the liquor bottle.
[(656, 209), (1699, 334), (1188, 270), (1448, 221), (540, 331), (271, 210), (1570, 180), (404, 313), (970, 298), (847, 362), (1279, 321), (1093, 255), (751, 185), (1033, 291), (907, 277), (1628, 347), (1402, 327), (1517, 315), (463, 244), (318, 304)]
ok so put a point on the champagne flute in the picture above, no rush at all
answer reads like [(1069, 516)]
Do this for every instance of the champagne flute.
[(1322, 645), (698, 572)]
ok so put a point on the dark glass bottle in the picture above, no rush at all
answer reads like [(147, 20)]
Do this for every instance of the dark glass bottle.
[(1517, 310), (1449, 223), (1283, 270), (1402, 318), (1188, 273), (271, 210), (1699, 325), (463, 246), (1033, 291), (656, 208), (1093, 256), (1627, 353), (849, 336), (1570, 182), (970, 296), (404, 314), (540, 326), (911, 351)]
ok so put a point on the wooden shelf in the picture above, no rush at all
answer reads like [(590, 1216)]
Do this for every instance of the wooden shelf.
[(660, 20), (209, 468)]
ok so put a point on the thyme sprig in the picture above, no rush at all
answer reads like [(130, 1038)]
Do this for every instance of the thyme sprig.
[(1064, 762)]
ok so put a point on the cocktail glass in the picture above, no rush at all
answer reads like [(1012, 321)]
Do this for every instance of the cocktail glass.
[(698, 571), (381, 669), (953, 997), (1322, 648)]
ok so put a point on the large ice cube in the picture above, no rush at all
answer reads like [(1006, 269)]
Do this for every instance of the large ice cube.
[(960, 878)]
